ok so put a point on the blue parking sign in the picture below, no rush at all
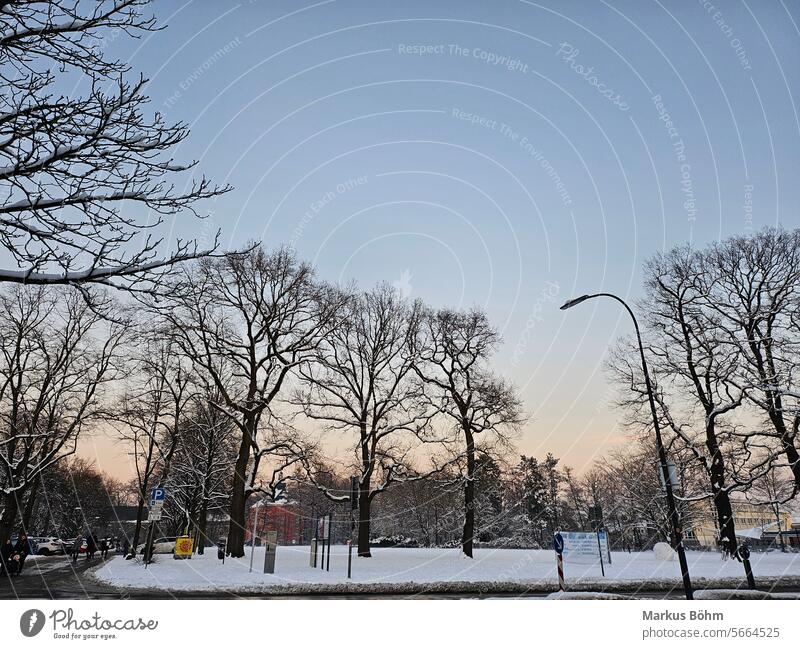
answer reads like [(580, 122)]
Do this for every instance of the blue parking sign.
[(558, 543), (158, 494)]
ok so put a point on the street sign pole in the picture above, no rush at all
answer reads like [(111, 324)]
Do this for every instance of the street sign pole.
[(322, 538), (157, 496), (600, 553), (328, 567), (253, 537), (354, 495)]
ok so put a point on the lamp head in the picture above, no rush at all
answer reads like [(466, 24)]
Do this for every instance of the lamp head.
[(571, 303)]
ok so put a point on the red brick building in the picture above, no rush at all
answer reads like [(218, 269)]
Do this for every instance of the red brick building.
[(282, 516)]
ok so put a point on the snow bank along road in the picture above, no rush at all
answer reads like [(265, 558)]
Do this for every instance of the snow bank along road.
[(394, 570)]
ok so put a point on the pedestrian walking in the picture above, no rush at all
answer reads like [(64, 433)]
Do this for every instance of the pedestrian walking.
[(76, 548), (91, 546), (126, 548), (104, 549), (8, 559), (21, 550)]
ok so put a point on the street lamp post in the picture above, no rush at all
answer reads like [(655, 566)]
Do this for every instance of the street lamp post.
[(677, 536)]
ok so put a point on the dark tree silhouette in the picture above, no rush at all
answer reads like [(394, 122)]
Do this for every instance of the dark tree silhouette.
[(453, 350), (247, 321), (56, 357)]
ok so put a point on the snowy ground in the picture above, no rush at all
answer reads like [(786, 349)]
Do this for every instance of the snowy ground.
[(410, 570)]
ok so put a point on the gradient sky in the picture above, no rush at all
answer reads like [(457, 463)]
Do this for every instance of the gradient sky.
[(466, 151)]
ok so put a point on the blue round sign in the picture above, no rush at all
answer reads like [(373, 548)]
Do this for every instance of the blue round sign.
[(558, 543)]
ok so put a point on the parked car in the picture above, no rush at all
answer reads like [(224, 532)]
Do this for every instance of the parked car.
[(69, 546), (47, 545), (162, 545)]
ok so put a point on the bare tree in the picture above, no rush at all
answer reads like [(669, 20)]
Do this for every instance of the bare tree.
[(756, 292), (81, 174), (247, 321), (632, 494), (151, 414), (362, 382), (201, 476), (453, 349), (56, 356), (774, 488), (694, 368)]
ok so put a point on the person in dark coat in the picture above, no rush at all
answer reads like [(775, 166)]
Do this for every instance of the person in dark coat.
[(91, 546), (8, 559), (104, 549), (126, 548), (22, 549)]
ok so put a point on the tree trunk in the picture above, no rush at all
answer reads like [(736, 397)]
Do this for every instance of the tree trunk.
[(30, 506), (792, 456), (137, 530), (469, 495), (239, 497), (364, 505), (9, 517), (202, 525), (722, 501), (727, 530)]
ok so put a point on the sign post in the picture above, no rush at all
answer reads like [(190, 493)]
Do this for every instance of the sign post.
[(253, 536), (157, 497), (600, 553), (312, 560), (558, 546), (328, 531), (354, 492), (321, 537)]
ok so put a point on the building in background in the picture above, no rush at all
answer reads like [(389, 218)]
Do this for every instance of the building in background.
[(757, 525), (275, 514)]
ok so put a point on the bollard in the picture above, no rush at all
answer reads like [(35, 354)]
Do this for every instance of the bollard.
[(312, 561), (349, 559), (558, 546), (744, 552)]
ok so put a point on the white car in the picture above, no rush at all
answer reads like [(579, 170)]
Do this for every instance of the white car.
[(163, 545), (47, 545)]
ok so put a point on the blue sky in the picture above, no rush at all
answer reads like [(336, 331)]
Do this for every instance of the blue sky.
[(503, 154)]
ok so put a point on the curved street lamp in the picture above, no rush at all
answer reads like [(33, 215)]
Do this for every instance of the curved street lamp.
[(677, 537)]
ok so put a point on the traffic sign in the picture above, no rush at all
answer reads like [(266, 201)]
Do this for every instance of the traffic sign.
[(154, 515), (558, 543), (158, 494)]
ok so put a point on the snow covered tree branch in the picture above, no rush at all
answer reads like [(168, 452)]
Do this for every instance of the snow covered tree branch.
[(83, 176)]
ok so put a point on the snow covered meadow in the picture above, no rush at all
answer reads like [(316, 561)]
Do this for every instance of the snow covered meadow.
[(425, 569)]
